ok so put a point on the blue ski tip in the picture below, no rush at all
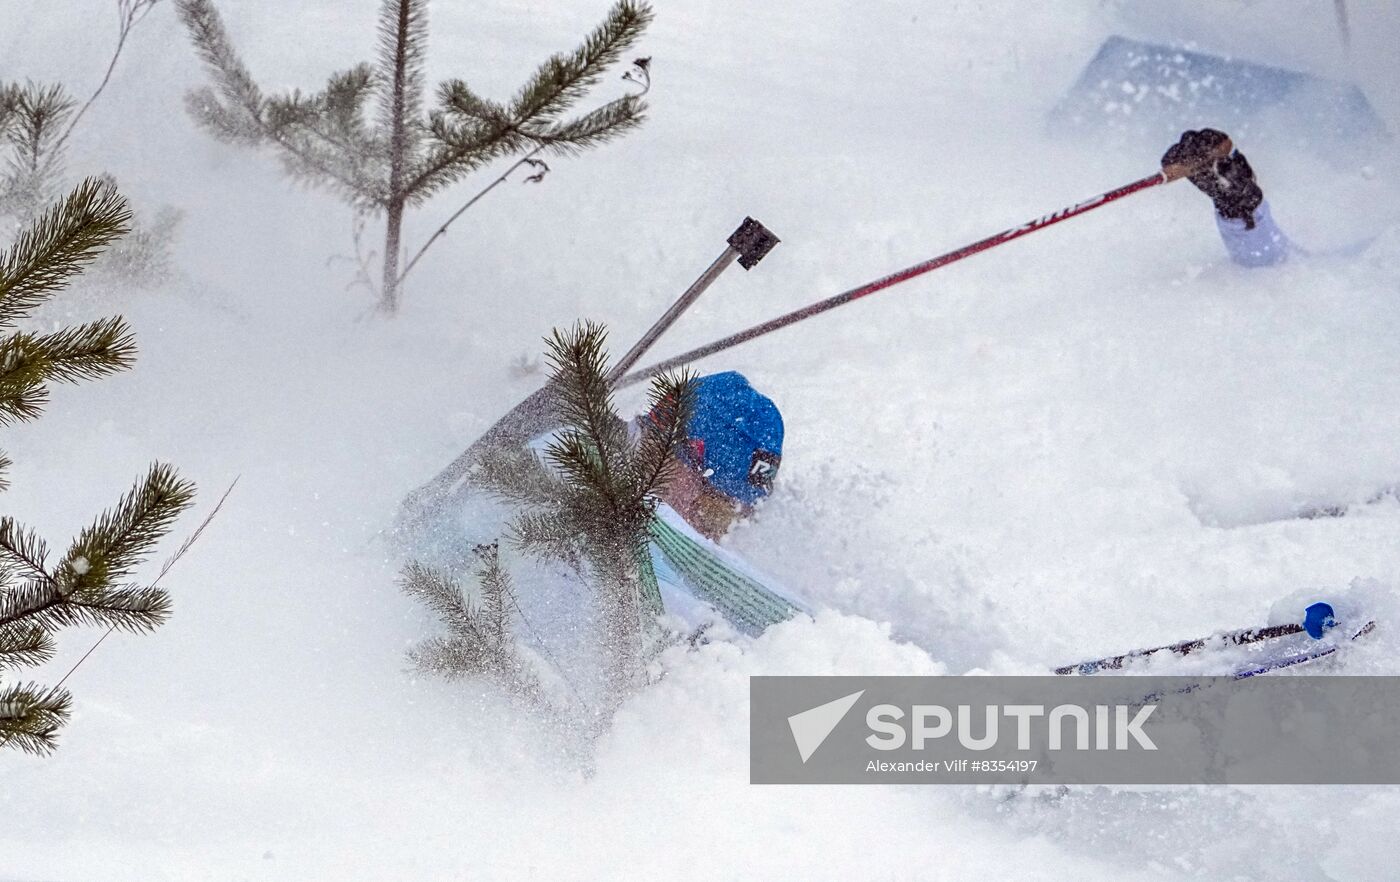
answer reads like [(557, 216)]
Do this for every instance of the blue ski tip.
[(1318, 618)]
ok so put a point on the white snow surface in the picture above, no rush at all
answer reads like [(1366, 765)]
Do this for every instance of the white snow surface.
[(1083, 442)]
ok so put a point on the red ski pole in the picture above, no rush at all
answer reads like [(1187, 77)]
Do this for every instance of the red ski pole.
[(918, 269)]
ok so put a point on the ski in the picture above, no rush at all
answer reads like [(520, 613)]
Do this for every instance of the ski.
[(1283, 653), (1340, 510), (1239, 637), (1319, 650)]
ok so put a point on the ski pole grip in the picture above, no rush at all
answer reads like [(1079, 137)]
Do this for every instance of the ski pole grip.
[(1179, 170), (753, 241)]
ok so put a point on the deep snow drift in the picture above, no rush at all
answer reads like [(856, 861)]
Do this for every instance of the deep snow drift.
[(1083, 442)]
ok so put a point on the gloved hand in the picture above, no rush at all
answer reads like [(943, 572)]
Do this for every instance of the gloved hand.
[(1317, 618), (1207, 160)]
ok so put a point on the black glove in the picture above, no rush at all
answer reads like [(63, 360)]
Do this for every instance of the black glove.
[(1227, 180)]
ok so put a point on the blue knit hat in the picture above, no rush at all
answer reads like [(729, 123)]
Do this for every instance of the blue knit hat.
[(735, 436)]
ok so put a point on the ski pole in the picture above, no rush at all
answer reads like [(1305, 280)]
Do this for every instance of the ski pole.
[(1166, 175), (748, 245)]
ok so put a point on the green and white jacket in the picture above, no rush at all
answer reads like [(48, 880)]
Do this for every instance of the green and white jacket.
[(696, 580)]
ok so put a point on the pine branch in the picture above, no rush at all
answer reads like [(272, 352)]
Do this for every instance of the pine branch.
[(240, 113), (30, 717), (142, 256), (341, 109), (27, 602), (134, 608), (576, 455), (403, 35), (469, 131), (83, 352), (232, 124), (24, 646), (325, 146), (89, 351), (80, 590), (44, 605), (605, 497), (472, 131), (24, 550), (108, 550), (672, 398), (240, 120), (329, 125), (39, 111), (294, 111), (9, 107), (443, 595), (58, 245), (514, 475), (479, 639), (458, 100), (497, 596), (21, 402), (578, 362), (548, 534), (565, 78), (451, 658), (592, 449), (83, 588), (461, 147), (607, 123), (151, 589), (602, 500)]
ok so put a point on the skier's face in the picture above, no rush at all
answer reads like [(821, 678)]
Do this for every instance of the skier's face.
[(714, 512), (706, 509)]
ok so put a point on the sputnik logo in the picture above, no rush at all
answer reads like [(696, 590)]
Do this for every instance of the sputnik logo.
[(811, 727)]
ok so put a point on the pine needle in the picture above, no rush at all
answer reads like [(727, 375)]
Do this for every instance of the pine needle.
[(194, 537), (169, 564)]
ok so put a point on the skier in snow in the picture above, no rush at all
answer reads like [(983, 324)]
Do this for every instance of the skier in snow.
[(1241, 214), (731, 455), (725, 466)]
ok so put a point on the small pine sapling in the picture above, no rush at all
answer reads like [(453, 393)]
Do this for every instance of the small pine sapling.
[(369, 138), (590, 502)]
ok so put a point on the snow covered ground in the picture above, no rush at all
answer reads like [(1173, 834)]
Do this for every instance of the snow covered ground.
[(1083, 442)]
